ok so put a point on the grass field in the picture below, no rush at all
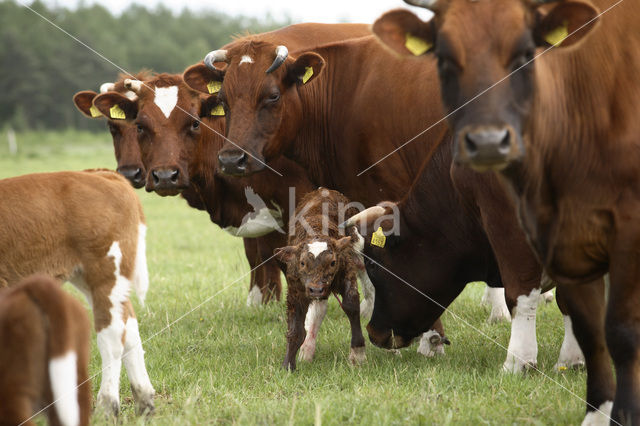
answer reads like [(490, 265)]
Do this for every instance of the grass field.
[(220, 363)]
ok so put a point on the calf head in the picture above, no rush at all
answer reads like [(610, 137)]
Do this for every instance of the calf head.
[(315, 263), (485, 52), (123, 133), (259, 93)]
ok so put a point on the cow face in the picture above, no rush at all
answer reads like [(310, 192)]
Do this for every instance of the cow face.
[(315, 263), (166, 119), (485, 53), (125, 141), (259, 94)]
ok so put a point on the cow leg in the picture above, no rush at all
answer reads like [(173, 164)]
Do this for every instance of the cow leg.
[(368, 294), (432, 342), (297, 306), (570, 352), (494, 297), (272, 285), (133, 359), (523, 345), (351, 307), (315, 316), (254, 298), (585, 305)]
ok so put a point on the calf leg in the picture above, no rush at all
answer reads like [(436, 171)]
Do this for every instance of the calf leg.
[(297, 306), (315, 316), (494, 297), (351, 307), (368, 293), (133, 359), (585, 305), (432, 342), (570, 352)]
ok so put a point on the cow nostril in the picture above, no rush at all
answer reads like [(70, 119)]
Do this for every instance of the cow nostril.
[(156, 178), (174, 176), (138, 174), (472, 147), (505, 142), (242, 161)]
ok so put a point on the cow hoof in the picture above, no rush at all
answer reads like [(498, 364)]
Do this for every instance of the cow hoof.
[(600, 417), (546, 297), (366, 309), (431, 344), (144, 400), (307, 351), (514, 365), (499, 314), (108, 404), (357, 356), (255, 297)]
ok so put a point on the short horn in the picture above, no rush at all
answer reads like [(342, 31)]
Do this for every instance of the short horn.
[(427, 4), (365, 215), (107, 87), (215, 56), (281, 55), (133, 85)]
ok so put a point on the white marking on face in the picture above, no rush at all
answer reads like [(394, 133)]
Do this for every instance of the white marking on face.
[(255, 296), (317, 247), (599, 418), (64, 381), (246, 59), (141, 273), (523, 346), (166, 99)]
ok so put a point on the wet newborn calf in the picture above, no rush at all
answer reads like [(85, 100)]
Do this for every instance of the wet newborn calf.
[(320, 261)]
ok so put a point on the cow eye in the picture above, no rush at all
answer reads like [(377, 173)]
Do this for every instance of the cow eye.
[(195, 125), (139, 128), (333, 263), (274, 97), (446, 65), (302, 263)]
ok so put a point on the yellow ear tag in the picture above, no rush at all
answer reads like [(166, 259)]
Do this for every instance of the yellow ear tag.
[(416, 45), (217, 110), (307, 74), (214, 87), (557, 36), (117, 113), (378, 238), (95, 112)]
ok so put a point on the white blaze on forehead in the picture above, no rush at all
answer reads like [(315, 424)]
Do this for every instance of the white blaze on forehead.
[(166, 99), (317, 247), (246, 59)]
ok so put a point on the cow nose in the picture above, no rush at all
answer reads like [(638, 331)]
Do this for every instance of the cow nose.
[(133, 175), (165, 177), (233, 162), (488, 142), (315, 290)]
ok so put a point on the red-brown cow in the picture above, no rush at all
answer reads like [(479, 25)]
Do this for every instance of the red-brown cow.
[(563, 133), (339, 109)]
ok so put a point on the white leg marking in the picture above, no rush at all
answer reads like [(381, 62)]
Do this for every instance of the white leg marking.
[(368, 294), (599, 418), (523, 346), (313, 320), (431, 344), (166, 99), (546, 297), (133, 358), (494, 297), (255, 296), (63, 374), (141, 273), (570, 352)]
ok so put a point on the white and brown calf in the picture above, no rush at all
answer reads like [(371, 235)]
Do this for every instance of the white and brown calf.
[(44, 335), (87, 228)]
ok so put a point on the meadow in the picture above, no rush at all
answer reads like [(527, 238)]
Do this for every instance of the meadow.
[(213, 360)]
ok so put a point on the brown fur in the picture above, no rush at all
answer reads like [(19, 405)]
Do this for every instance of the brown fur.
[(39, 322)]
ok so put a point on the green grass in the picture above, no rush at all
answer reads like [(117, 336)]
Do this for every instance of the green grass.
[(221, 362)]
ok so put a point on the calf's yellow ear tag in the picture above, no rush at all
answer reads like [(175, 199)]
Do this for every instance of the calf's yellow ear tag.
[(307, 74), (378, 239), (557, 36), (117, 113), (416, 45), (218, 110), (95, 112), (214, 87)]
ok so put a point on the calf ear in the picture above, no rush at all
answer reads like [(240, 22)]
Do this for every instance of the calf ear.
[(203, 79), (305, 69), (285, 254), (556, 26), (343, 243), (404, 33), (84, 102), (116, 106)]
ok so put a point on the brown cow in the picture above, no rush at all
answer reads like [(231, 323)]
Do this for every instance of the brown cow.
[(319, 261), (573, 112), (340, 106), (87, 228), (44, 334)]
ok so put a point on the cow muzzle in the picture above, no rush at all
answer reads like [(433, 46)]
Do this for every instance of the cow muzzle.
[(238, 163), (166, 181), (317, 291), (488, 147), (134, 174), (386, 339)]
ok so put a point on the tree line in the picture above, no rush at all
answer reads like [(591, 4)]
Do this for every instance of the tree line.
[(41, 67)]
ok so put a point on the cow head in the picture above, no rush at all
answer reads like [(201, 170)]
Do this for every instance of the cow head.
[(485, 52), (259, 93), (125, 142), (166, 118), (315, 262)]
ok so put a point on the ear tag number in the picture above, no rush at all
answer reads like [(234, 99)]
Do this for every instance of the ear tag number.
[(214, 87), (95, 112), (218, 110), (378, 239), (557, 36), (117, 113), (307, 74), (416, 45)]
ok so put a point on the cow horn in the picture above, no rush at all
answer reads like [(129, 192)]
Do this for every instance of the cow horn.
[(364, 215), (107, 87), (215, 56), (133, 85), (427, 4), (281, 55)]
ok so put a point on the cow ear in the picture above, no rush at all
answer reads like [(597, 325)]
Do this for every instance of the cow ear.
[(305, 69), (404, 33), (556, 26), (84, 102), (343, 243), (285, 254), (211, 106), (115, 106), (203, 79)]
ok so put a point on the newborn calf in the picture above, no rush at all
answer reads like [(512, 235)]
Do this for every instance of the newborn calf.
[(44, 335), (319, 261)]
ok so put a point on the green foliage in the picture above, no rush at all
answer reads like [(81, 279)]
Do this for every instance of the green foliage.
[(42, 68)]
